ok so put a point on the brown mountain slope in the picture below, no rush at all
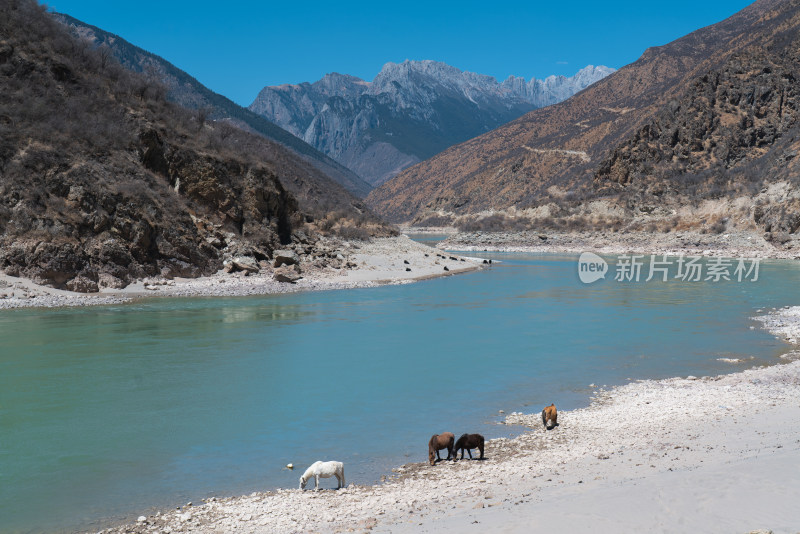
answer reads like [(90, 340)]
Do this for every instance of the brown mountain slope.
[(102, 181), (571, 145)]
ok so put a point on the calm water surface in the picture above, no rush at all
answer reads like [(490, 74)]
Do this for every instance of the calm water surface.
[(110, 411)]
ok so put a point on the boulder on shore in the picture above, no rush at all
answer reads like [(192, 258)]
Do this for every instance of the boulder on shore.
[(287, 274), (284, 257), (241, 263)]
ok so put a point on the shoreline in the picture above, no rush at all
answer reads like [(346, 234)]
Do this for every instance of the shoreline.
[(690, 453), (690, 243), (381, 261)]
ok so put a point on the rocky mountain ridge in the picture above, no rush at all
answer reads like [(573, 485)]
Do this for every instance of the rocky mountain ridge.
[(186, 91), (408, 112)]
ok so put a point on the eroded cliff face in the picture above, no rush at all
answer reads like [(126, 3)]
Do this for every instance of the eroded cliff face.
[(409, 112), (89, 224), (293, 107)]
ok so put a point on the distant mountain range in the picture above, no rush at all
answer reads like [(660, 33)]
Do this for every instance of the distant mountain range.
[(189, 93), (408, 113), (701, 132)]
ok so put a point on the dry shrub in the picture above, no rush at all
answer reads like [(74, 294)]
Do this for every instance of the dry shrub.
[(435, 220), (497, 222)]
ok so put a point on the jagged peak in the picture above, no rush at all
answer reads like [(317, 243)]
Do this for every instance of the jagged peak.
[(335, 77), (596, 72), (334, 83), (429, 67)]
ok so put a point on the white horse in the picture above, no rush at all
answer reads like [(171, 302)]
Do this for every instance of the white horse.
[(323, 470)]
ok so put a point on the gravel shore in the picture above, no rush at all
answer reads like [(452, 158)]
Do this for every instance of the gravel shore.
[(394, 260), (710, 454), (731, 245)]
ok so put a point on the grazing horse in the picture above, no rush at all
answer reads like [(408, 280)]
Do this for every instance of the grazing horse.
[(550, 417), (468, 442), (439, 442), (323, 470)]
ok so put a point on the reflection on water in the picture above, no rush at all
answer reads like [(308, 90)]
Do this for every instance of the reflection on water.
[(106, 412)]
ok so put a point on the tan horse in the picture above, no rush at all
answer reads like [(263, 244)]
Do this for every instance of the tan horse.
[(438, 442), (550, 417)]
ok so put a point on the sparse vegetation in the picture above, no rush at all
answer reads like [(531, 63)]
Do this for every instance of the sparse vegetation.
[(497, 222), (439, 221)]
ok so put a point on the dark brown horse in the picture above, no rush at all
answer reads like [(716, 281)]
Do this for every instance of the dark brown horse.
[(550, 417), (439, 442), (468, 442)]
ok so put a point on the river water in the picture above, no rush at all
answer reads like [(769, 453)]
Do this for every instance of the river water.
[(110, 412)]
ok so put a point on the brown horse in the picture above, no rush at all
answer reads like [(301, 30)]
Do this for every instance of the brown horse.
[(439, 442), (550, 417), (468, 442)]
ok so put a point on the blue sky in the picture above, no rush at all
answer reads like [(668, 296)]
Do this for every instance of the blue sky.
[(238, 47)]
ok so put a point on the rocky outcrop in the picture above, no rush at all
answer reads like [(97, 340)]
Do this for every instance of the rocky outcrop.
[(726, 117), (108, 234), (409, 112)]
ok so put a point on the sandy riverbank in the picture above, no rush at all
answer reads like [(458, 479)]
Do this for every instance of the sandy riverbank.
[(711, 454), (376, 262), (732, 244)]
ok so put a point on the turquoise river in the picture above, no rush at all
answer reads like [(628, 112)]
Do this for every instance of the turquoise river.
[(110, 412)]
